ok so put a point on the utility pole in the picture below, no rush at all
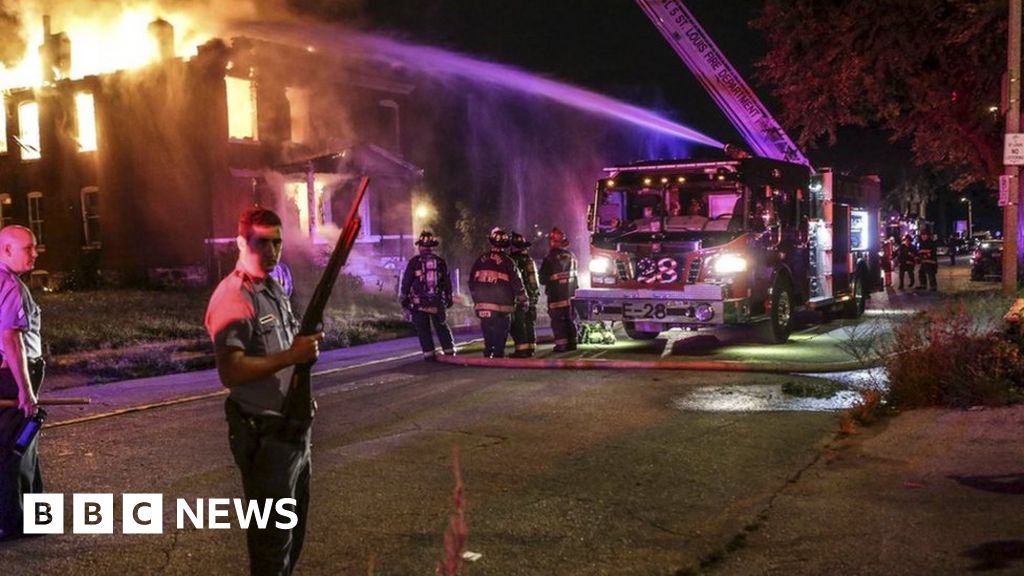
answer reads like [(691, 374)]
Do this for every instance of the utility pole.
[(1010, 211)]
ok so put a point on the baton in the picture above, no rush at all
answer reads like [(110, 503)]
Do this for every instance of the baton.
[(13, 403)]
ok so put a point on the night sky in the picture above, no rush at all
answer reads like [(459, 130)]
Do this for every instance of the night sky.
[(608, 46)]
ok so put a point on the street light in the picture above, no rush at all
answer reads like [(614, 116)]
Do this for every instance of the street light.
[(970, 219)]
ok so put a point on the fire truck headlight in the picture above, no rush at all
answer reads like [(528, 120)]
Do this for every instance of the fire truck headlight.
[(730, 264), (601, 265), (704, 312)]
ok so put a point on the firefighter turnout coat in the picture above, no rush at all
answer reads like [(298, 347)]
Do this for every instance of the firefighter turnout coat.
[(495, 285)]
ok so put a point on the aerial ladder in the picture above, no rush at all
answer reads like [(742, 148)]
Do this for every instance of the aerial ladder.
[(744, 109)]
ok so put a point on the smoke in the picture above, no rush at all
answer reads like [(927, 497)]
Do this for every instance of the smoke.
[(12, 49)]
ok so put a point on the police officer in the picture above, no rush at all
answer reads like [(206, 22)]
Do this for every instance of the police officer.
[(558, 275), (906, 257), (523, 330), (256, 349), (497, 290), (21, 375), (929, 259), (426, 292)]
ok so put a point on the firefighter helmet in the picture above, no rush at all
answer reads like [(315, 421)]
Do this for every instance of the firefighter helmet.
[(427, 240), (519, 241), (499, 238), (557, 238)]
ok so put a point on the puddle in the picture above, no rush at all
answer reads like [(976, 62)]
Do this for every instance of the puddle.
[(771, 398)]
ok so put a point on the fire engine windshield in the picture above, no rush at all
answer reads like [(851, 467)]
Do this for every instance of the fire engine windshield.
[(676, 209)]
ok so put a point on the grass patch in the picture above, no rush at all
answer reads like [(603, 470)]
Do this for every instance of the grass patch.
[(816, 389), (120, 334)]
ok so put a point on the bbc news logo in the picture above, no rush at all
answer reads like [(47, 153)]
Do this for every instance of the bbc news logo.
[(144, 513)]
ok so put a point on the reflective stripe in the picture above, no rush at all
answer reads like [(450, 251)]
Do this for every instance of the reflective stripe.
[(561, 276), (561, 341), (493, 307), (558, 304), (490, 276), (524, 346), (428, 354)]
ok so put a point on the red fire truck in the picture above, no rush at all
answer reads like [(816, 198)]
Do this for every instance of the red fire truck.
[(697, 244)]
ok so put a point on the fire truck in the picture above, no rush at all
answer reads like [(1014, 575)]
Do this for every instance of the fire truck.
[(699, 244)]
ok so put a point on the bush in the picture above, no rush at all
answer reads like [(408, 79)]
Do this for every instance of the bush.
[(950, 357)]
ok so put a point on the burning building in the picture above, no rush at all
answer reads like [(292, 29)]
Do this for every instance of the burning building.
[(138, 174)]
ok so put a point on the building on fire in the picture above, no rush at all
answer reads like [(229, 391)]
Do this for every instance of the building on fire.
[(139, 175)]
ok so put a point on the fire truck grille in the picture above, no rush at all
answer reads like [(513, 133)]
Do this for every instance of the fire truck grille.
[(621, 270), (694, 271)]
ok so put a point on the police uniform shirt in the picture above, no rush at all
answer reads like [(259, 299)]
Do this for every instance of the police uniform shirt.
[(18, 311), (256, 317)]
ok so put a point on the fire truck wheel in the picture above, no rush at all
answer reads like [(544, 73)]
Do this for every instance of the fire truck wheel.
[(635, 334), (855, 306), (780, 322)]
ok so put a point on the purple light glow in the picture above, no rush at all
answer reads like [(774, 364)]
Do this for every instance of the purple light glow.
[(441, 62)]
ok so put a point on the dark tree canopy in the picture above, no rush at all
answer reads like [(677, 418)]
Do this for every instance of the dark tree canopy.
[(926, 71)]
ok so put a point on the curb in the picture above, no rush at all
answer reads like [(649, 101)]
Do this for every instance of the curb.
[(702, 365)]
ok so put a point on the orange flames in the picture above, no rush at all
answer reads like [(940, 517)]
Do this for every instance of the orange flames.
[(101, 40)]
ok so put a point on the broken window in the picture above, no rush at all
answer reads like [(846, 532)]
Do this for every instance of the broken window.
[(390, 126), (85, 110), (6, 210), (35, 216), (3, 125), (91, 216), (241, 95), (298, 107), (28, 130)]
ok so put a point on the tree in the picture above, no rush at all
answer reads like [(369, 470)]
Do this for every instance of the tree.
[(928, 72)]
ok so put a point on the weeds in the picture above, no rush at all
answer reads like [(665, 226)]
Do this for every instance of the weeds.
[(954, 356), (457, 532)]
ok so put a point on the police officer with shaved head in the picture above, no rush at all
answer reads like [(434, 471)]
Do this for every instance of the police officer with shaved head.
[(426, 292), (497, 291), (21, 375)]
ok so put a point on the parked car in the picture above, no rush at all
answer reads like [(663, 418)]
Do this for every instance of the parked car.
[(987, 260)]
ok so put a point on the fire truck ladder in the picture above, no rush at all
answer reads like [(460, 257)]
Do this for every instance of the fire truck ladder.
[(732, 94)]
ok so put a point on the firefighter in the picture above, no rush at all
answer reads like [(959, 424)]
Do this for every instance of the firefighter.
[(497, 291), (906, 256), (558, 275), (426, 292), (929, 262), (524, 333)]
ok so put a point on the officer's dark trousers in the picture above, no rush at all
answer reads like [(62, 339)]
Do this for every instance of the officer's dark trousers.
[(271, 468), (562, 326), (495, 329), (523, 330), (423, 322), (18, 475), (907, 271), (926, 276)]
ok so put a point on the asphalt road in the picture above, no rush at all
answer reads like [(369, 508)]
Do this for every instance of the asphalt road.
[(570, 472), (566, 472)]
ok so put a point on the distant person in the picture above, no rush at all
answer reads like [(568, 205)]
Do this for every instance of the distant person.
[(524, 320), (952, 250), (558, 275), (427, 292), (256, 348), (906, 259), (929, 262), (21, 376), (497, 290)]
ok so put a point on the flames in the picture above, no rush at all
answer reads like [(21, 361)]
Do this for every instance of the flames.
[(101, 40)]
